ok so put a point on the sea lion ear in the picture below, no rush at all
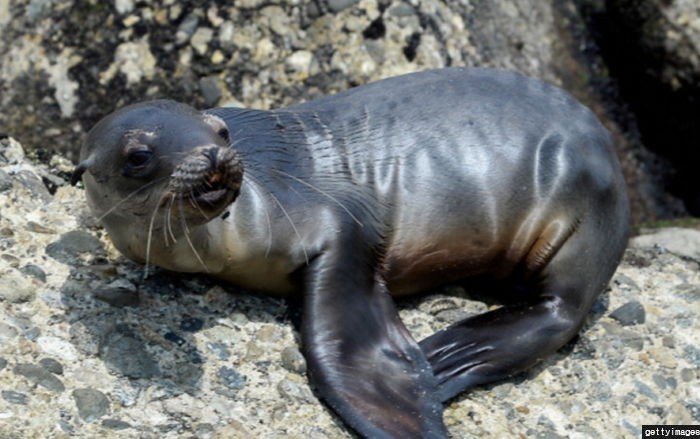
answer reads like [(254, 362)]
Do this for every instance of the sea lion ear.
[(218, 125), (78, 172)]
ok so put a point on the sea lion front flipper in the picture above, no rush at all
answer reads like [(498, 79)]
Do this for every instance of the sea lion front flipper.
[(361, 358)]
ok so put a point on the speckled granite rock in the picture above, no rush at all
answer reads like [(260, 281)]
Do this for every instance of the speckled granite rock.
[(205, 360), (65, 64)]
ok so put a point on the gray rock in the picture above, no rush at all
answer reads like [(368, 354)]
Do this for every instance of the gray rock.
[(117, 296), (294, 391), (3, 363), (34, 271), (692, 354), (33, 183), (127, 355), (11, 151), (115, 424), (15, 288), (92, 404), (7, 332), (339, 5), (51, 365), (70, 245), (230, 378), (14, 397), (293, 360), (187, 28), (210, 89), (5, 181), (631, 313), (40, 376), (683, 242)]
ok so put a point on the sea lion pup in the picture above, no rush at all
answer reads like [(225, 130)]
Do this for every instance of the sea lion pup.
[(390, 188)]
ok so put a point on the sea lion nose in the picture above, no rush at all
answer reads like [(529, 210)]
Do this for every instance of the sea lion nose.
[(211, 154)]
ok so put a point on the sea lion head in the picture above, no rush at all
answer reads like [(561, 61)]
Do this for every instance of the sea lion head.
[(160, 167)]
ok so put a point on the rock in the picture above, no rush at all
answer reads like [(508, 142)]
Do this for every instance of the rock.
[(52, 366), (57, 347), (231, 378), (631, 313), (11, 152), (339, 5), (40, 376), (5, 181), (14, 397), (92, 404), (191, 324), (34, 271), (118, 296), (127, 355), (293, 360), (15, 288), (72, 244), (683, 242), (115, 424), (210, 89), (201, 39)]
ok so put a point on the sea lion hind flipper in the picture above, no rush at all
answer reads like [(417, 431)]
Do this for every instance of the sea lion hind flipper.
[(495, 345), (361, 358), (503, 342)]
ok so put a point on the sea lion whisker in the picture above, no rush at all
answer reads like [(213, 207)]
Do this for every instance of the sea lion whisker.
[(189, 240), (126, 198), (322, 192), (291, 223), (149, 240), (169, 225), (194, 203)]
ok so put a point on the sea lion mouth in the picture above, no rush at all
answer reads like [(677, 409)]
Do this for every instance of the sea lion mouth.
[(209, 178)]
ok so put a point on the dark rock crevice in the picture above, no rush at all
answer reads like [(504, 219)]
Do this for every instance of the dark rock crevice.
[(665, 104)]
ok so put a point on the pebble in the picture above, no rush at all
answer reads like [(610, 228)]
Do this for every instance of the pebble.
[(211, 91), (14, 397), (293, 360), (16, 288), (117, 296), (115, 424), (92, 404), (294, 391), (52, 366), (40, 376), (230, 378), (11, 151), (58, 347), (128, 356), (187, 27), (339, 5), (201, 39), (631, 313), (34, 271), (5, 181), (72, 244)]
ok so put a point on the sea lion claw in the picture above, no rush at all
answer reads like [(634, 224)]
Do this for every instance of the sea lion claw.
[(362, 359)]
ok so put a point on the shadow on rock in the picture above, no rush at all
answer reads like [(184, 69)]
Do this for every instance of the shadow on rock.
[(144, 329)]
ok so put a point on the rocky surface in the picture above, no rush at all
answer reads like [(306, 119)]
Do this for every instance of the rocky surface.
[(65, 64), (89, 348)]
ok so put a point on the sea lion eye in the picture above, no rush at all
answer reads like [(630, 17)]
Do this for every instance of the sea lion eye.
[(223, 133), (139, 157), (138, 163)]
